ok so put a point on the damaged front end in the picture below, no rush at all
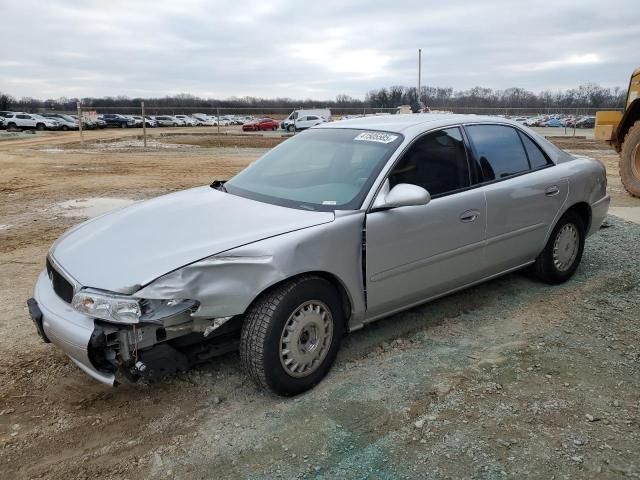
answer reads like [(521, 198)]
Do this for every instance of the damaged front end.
[(164, 347), (109, 335)]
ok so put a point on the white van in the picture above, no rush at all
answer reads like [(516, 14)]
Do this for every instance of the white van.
[(301, 119)]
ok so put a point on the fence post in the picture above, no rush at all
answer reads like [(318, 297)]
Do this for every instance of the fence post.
[(80, 123), (144, 125), (218, 117), (574, 123)]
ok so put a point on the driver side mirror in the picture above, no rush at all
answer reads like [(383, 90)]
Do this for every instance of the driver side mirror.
[(402, 195)]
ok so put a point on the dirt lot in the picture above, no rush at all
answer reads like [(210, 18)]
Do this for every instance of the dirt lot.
[(510, 379)]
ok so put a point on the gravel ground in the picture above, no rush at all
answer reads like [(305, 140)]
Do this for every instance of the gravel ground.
[(510, 379)]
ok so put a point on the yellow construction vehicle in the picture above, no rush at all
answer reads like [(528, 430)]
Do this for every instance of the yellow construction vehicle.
[(622, 130)]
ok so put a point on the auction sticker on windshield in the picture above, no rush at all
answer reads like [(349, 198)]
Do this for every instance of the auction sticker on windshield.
[(379, 137)]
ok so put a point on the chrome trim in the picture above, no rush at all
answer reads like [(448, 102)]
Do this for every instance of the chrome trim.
[(55, 264)]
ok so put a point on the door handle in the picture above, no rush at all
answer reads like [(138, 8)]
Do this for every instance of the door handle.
[(552, 191), (469, 216)]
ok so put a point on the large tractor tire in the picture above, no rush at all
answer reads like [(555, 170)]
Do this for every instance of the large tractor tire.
[(630, 160)]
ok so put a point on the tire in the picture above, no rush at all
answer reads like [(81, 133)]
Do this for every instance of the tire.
[(123, 125), (175, 124), (40, 126), (263, 341), (12, 125), (629, 163), (291, 128), (274, 128), (553, 266), (65, 128)]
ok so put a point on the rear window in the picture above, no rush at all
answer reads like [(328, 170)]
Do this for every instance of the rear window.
[(498, 150), (537, 158)]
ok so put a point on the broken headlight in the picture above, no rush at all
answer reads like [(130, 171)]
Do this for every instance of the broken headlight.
[(124, 309)]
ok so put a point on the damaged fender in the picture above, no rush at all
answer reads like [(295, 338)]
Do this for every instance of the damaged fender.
[(226, 284)]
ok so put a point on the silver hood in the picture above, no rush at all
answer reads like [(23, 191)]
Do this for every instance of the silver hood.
[(128, 248)]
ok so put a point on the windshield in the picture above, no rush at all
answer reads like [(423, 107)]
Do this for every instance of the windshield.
[(320, 169)]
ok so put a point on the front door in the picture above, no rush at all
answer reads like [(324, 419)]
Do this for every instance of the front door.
[(415, 253)]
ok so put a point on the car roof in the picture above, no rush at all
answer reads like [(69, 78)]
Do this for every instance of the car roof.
[(401, 122)]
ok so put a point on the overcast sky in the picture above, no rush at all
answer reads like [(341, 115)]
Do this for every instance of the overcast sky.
[(315, 49)]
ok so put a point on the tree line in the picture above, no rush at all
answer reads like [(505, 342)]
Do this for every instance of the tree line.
[(586, 96)]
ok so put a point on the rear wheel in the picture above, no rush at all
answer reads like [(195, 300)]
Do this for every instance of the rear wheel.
[(630, 161), (291, 335), (123, 125), (65, 128), (12, 125), (40, 126), (561, 256)]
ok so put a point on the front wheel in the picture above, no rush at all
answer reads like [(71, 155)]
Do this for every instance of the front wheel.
[(291, 128), (561, 256), (123, 125), (40, 126), (291, 335)]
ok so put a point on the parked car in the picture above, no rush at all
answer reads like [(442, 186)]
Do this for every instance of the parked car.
[(148, 121), (278, 263), (186, 120), (223, 122), (24, 120), (65, 122), (204, 119), (307, 121), (262, 124), (291, 122), (553, 122), (117, 120), (91, 123), (166, 121), (586, 122)]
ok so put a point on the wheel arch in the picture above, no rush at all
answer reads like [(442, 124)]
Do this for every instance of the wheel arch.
[(631, 115), (583, 210), (339, 285)]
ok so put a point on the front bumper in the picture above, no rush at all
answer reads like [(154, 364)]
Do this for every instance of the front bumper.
[(66, 328)]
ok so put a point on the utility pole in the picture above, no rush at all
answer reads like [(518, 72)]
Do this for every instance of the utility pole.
[(419, 73), (80, 123), (144, 125)]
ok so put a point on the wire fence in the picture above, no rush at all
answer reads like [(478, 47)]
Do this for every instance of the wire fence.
[(90, 113)]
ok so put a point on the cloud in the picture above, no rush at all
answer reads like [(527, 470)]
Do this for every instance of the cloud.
[(311, 49), (572, 60)]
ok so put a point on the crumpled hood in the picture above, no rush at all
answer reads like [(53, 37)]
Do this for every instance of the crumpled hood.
[(131, 247)]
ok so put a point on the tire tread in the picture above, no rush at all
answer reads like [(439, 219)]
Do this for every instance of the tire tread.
[(631, 185), (257, 321)]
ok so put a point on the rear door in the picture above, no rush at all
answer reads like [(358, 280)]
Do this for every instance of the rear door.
[(26, 120), (523, 191), (414, 253)]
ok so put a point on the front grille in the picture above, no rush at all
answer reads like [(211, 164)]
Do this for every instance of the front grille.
[(61, 285)]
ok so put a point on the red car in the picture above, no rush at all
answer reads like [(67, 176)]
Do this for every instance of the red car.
[(262, 124)]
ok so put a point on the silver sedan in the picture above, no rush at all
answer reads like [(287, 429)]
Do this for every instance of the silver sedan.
[(339, 226)]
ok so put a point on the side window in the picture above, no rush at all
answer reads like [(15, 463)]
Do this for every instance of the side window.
[(537, 157), (498, 150), (436, 162), (312, 118), (24, 117)]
